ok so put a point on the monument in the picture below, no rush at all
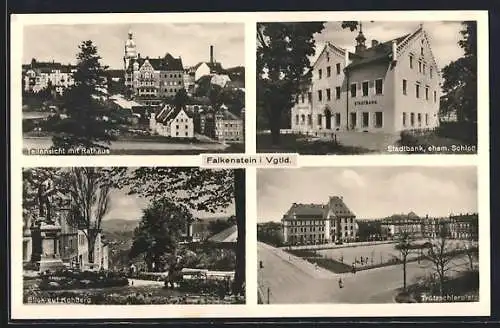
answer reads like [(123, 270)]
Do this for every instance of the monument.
[(45, 231)]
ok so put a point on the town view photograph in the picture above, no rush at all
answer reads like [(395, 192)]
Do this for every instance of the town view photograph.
[(357, 87), (133, 89), (133, 235), (364, 235)]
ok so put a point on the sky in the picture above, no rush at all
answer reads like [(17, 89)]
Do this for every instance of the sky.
[(443, 37), (189, 41), (129, 207), (370, 192)]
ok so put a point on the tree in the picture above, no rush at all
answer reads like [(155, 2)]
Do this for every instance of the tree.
[(84, 105), (283, 67), (441, 254), (159, 232), (215, 96), (472, 252), (208, 190), (181, 99), (89, 189), (404, 246), (460, 78)]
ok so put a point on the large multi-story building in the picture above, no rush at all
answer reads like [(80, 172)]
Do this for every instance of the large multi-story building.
[(38, 76), (150, 80), (464, 226), (399, 224), (388, 87), (319, 223)]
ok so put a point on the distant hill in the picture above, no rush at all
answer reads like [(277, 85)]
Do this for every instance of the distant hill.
[(119, 225)]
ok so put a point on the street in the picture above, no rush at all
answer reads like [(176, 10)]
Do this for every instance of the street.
[(292, 282)]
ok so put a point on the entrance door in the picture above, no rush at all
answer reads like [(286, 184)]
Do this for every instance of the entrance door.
[(353, 124), (328, 117)]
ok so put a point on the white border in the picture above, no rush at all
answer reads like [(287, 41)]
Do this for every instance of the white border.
[(251, 309)]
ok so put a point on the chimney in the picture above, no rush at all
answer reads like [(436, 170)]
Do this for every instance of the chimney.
[(211, 54), (374, 43), (394, 51)]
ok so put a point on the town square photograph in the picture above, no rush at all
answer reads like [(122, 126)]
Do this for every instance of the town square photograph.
[(133, 89), (357, 87), (133, 235), (368, 235)]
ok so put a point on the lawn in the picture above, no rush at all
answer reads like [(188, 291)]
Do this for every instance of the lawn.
[(294, 143)]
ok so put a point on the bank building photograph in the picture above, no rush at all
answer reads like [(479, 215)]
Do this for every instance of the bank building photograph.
[(369, 86)]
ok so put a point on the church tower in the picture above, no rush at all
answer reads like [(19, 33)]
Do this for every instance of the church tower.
[(130, 50)]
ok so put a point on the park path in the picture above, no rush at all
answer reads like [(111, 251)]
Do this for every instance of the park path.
[(140, 283)]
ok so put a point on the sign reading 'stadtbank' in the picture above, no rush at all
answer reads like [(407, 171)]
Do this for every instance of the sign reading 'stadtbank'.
[(365, 102)]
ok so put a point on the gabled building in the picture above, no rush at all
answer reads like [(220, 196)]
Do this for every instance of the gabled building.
[(388, 87), (172, 122), (228, 126), (332, 222)]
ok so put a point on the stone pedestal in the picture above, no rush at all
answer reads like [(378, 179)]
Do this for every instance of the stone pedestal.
[(45, 247)]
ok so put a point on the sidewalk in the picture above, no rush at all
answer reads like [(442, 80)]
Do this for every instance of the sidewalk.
[(304, 265)]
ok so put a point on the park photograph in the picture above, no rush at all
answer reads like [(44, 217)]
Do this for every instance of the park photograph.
[(368, 235), (367, 87), (133, 235)]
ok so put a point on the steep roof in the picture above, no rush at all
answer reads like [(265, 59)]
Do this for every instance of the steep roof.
[(169, 113), (215, 67), (338, 207), (167, 63), (380, 52), (335, 204)]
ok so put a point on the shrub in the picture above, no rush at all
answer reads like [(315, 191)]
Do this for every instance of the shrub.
[(68, 279)]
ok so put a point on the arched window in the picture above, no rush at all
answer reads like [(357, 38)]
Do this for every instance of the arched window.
[(302, 119)]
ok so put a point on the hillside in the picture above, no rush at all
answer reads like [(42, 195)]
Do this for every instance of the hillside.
[(118, 225)]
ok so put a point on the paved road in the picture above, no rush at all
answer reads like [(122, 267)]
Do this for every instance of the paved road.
[(293, 282), (46, 142)]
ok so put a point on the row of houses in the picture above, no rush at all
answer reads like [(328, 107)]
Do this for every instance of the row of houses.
[(462, 226)]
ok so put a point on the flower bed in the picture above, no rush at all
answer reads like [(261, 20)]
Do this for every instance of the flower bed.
[(68, 279)]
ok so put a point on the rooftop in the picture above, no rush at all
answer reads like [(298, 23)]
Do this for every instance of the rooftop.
[(167, 63)]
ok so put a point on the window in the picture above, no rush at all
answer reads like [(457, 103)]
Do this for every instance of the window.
[(309, 97), (319, 119), (378, 120), (302, 119), (177, 133), (320, 96), (186, 134), (337, 92), (365, 88), (309, 119), (412, 119), (353, 90), (423, 70), (435, 96), (404, 119), (328, 71), (422, 51), (420, 67), (365, 119), (337, 119), (338, 68), (426, 93), (302, 98), (426, 119), (328, 95), (430, 71), (320, 73), (417, 90), (177, 126), (404, 87), (185, 126), (419, 119), (378, 86), (411, 62)]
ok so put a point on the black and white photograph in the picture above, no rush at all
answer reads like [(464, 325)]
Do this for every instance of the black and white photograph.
[(358, 87), (133, 89), (368, 235), (133, 235)]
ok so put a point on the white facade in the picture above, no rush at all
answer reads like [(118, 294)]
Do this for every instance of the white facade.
[(37, 80), (172, 123), (101, 252), (202, 70), (366, 91)]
